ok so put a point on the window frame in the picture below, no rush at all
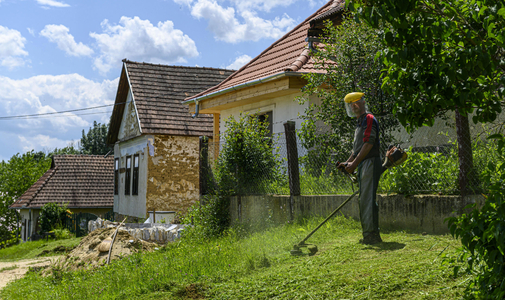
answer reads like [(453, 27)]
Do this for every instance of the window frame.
[(116, 176), (128, 165), (135, 175)]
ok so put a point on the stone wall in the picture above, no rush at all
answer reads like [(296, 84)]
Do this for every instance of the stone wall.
[(423, 213), (172, 179)]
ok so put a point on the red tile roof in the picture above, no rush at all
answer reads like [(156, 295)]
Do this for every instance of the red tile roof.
[(82, 181), (288, 54), (158, 91)]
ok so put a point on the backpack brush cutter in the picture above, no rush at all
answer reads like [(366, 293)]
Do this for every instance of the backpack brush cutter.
[(394, 157)]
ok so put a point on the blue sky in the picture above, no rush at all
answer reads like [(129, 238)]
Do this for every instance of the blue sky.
[(66, 55)]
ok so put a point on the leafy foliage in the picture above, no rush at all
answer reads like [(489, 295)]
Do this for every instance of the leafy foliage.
[(481, 233), (51, 216), (247, 163), (348, 59), (94, 142), (16, 176), (440, 56)]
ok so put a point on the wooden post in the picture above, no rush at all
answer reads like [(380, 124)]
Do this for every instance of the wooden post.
[(215, 136), (293, 170), (203, 165)]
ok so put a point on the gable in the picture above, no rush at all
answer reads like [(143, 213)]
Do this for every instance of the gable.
[(129, 127), (157, 92)]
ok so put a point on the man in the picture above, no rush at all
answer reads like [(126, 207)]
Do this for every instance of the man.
[(366, 158)]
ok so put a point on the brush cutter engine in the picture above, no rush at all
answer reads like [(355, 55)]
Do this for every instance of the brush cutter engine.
[(395, 156)]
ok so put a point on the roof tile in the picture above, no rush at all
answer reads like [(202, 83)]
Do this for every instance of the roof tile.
[(79, 180)]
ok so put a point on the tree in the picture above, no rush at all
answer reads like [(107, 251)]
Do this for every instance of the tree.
[(16, 176), (442, 56), (94, 142), (348, 59)]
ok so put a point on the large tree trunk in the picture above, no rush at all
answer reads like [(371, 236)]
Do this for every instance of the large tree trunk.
[(468, 178)]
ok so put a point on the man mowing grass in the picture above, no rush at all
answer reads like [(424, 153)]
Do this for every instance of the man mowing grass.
[(365, 156)]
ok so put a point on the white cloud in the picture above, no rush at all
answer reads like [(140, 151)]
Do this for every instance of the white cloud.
[(60, 35), (52, 3), (139, 40), (265, 5), (31, 31), (47, 93), (12, 45), (41, 141), (239, 62), (224, 24), (184, 2)]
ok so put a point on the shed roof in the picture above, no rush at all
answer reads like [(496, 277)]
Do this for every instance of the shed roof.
[(158, 91), (289, 54), (82, 181)]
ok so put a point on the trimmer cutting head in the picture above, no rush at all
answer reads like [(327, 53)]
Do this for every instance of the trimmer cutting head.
[(297, 251)]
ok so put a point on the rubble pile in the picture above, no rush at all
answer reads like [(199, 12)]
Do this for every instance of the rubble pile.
[(86, 255)]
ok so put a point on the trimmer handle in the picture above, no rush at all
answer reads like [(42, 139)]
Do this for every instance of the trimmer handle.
[(343, 170)]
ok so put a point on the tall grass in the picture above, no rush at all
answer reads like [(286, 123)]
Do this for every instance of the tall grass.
[(217, 268)]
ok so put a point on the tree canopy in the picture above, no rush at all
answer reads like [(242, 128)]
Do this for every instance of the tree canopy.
[(94, 142), (347, 55), (440, 56)]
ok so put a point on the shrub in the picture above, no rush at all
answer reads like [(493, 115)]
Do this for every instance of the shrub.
[(248, 163), (481, 233), (52, 216)]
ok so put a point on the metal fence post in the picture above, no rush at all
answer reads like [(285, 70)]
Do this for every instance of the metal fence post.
[(293, 170)]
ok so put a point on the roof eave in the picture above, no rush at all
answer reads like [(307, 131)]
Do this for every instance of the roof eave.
[(244, 85)]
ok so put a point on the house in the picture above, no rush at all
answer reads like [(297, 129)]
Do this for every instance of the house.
[(269, 83), (84, 183), (156, 140)]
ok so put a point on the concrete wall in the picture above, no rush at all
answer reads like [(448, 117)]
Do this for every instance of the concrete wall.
[(173, 174), (425, 213), (133, 205)]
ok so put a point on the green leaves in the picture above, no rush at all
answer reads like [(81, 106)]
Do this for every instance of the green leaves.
[(16, 176), (427, 41)]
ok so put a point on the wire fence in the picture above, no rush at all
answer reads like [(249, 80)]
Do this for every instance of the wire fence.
[(436, 164)]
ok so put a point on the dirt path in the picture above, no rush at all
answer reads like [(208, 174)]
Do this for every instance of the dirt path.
[(20, 267)]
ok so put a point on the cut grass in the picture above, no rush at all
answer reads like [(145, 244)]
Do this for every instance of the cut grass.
[(35, 249), (259, 266)]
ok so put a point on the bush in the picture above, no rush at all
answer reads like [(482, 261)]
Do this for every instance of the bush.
[(52, 216), (481, 233), (247, 163)]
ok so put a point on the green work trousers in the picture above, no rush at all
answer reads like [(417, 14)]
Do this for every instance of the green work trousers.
[(369, 172)]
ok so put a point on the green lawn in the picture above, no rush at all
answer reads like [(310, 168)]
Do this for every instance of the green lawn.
[(36, 249), (259, 266)]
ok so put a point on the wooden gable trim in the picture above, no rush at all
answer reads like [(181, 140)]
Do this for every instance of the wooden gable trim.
[(133, 98), (272, 89)]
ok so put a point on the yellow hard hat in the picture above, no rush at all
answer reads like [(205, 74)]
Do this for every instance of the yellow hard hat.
[(353, 97)]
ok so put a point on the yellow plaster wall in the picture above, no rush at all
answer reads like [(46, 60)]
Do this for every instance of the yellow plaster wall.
[(172, 176)]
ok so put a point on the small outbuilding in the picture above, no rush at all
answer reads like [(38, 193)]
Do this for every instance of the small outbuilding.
[(85, 183)]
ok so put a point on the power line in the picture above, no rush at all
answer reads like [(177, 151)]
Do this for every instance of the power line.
[(57, 112), (62, 116)]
